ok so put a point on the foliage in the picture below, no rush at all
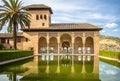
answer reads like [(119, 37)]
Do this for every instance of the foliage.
[(13, 13), (111, 54), (13, 54), (1, 46)]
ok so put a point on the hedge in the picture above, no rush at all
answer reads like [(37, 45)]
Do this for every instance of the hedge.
[(13, 54), (111, 54)]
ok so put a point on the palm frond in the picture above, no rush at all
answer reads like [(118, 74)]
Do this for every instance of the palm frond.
[(12, 2), (4, 21), (6, 4), (21, 17), (19, 5)]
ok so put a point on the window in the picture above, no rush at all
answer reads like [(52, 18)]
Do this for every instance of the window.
[(37, 17), (18, 40), (45, 17), (26, 39), (43, 24), (3, 40), (41, 17)]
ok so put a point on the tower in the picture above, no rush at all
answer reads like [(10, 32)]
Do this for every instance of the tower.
[(40, 16)]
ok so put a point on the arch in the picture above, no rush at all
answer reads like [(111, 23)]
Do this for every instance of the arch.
[(42, 45), (45, 17), (41, 17), (37, 17), (78, 45), (65, 40), (53, 45), (89, 45)]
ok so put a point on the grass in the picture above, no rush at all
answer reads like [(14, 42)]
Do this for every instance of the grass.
[(111, 54)]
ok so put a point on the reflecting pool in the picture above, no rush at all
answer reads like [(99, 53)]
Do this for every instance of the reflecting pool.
[(59, 68)]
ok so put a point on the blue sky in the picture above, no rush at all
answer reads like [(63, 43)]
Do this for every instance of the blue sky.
[(104, 13)]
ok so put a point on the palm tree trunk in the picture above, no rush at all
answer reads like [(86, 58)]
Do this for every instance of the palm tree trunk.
[(15, 35)]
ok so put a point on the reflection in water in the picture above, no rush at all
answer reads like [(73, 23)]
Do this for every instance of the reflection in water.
[(59, 68)]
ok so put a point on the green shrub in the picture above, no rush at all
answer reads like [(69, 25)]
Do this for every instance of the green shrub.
[(111, 54), (13, 54), (1, 46)]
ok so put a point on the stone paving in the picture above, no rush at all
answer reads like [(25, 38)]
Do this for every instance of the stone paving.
[(110, 58), (14, 60)]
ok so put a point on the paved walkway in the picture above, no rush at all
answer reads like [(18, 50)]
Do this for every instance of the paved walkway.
[(14, 60), (110, 58)]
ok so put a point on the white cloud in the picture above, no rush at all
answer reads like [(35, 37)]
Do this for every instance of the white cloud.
[(116, 30), (111, 25), (103, 31)]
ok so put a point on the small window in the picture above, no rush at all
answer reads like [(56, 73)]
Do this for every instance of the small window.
[(26, 39), (45, 17), (3, 40), (37, 17), (43, 24), (18, 39), (41, 17)]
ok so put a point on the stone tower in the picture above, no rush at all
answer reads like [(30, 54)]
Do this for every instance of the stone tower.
[(41, 16)]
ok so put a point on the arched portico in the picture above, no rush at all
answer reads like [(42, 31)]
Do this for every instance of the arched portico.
[(78, 45), (89, 45), (65, 43), (53, 45), (42, 45)]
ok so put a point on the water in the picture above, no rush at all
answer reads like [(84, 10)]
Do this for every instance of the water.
[(60, 68)]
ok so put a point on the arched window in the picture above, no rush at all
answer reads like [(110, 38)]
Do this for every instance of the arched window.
[(41, 17), (37, 17), (45, 17)]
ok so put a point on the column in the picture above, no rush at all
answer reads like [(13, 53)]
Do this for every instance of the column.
[(96, 43), (96, 52), (83, 41), (73, 42), (35, 40), (58, 39), (47, 43)]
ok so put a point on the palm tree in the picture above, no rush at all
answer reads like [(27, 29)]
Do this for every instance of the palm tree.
[(14, 14)]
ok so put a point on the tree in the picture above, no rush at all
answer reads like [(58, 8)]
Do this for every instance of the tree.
[(14, 14)]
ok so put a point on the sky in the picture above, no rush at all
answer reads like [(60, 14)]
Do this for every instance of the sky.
[(103, 13)]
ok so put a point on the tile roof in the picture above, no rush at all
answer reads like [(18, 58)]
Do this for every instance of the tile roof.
[(59, 27), (68, 27), (73, 26), (9, 35), (38, 7)]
